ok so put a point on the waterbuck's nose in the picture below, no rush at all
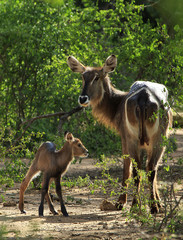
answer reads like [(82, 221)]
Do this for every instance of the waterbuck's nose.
[(83, 100)]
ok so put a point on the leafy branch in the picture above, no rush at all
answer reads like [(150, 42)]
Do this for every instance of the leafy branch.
[(62, 115)]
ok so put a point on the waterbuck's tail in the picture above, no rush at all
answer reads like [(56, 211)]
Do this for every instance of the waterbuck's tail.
[(142, 113)]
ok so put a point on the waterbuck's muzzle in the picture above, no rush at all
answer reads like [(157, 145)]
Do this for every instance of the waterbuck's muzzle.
[(83, 100)]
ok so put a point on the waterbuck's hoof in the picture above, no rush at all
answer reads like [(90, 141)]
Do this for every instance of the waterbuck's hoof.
[(23, 212), (107, 206), (154, 210), (119, 206)]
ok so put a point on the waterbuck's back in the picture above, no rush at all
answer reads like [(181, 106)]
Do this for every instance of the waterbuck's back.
[(159, 91), (145, 106)]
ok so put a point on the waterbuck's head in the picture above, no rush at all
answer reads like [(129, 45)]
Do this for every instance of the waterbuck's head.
[(93, 79)]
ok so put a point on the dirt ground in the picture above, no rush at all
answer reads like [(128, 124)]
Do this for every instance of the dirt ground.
[(86, 220)]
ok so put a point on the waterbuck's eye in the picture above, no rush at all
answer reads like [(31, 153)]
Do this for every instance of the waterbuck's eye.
[(79, 144)]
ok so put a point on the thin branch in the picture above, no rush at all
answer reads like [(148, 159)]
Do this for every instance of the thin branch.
[(151, 4), (165, 219), (63, 115)]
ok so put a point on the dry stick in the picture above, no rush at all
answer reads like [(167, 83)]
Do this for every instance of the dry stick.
[(66, 115), (165, 219), (62, 114)]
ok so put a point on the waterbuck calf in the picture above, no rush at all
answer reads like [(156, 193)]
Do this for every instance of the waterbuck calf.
[(53, 164), (141, 116)]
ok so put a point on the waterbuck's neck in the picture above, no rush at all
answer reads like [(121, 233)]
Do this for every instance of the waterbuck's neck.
[(108, 111)]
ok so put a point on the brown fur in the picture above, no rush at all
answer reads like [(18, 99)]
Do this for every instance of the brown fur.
[(131, 114), (106, 205), (53, 164)]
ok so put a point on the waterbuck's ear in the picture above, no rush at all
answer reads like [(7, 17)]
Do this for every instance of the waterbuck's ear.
[(69, 137), (110, 64), (75, 65)]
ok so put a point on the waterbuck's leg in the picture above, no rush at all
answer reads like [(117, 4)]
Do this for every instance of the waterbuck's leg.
[(49, 201), (157, 194), (126, 174), (153, 204), (137, 179), (152, 168), (31, 172), (44, 192), (59, 193)]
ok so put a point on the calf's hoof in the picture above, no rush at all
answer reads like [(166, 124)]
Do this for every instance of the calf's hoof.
[(41, 214), (64, 211), (23, 212), (55, 213), (66, 214)]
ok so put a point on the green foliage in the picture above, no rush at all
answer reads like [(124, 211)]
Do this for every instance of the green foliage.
[(80, 182), (13, 168), (107, 184), (3, 232), (37, 36), (180, 161)]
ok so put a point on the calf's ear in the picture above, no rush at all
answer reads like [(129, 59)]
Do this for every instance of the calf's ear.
[(110, 64), (69, 137), (75, 65)]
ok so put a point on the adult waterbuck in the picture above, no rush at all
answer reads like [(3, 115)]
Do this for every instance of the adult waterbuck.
[(141, 117), (53, 164)]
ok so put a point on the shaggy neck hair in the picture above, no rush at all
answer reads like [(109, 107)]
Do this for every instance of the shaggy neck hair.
[(106, 111)]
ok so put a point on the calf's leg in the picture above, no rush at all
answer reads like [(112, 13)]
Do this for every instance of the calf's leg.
[(59, 193), (44, 192), (49, 201), (31, 172)]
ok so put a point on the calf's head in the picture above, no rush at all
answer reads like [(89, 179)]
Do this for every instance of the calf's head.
[(93, 79), (78, 149)]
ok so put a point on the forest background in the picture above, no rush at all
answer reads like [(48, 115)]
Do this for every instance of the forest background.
[(36, 37)]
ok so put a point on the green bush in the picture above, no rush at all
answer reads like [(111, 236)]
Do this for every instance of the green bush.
[(36, 37)]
